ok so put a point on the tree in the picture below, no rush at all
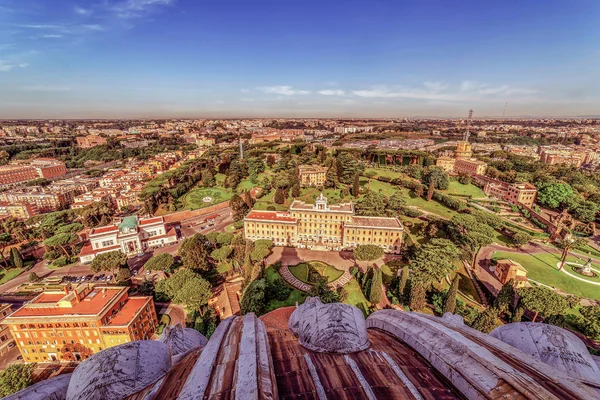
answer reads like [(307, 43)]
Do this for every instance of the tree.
[(520, 239), (506, 297), (296, 190), (434, 260), (221, 254), (16, 377), (194, 253), (62, 241), (321, 290), (450, 300), (403, 281), (208, 180), (438, 177), (146, 288), (225, 238), (553, 194), (567, 243), (239, 207), (397, 202), (584, 210), (416, 300), (471, 234), (542, 301), (123, 275), (161, 262), (331, 178), (486, 321), (518, 314), (262, 248), (372, 204), (356, 186), (111, 262), (194, 293), (279, 197), (430, 190), (15, 258), (367, 252), (375, 293), (5, 240), (33, 277), (253, 297)]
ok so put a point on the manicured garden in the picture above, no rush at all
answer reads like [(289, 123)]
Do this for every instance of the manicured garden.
[(301, 271), (458, 188), (12, 273), (195, 198), (542, 267)]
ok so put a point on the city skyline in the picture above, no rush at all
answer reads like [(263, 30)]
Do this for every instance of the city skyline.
[(178, 58)]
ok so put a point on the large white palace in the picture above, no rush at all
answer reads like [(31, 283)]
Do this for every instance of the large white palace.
[(324, 227), (131, 235)]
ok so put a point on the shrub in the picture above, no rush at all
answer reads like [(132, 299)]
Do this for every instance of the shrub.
[(368, 252)]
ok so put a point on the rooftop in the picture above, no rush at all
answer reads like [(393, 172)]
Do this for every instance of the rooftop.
[(375, 222), (125, 315), (274, 216)]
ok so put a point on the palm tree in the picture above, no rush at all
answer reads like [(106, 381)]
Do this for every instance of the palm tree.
[(568, 243)]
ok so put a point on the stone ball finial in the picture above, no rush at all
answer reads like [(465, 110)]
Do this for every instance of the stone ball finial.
[(329, 328), (120, 371), (180, 340), (552, 345)]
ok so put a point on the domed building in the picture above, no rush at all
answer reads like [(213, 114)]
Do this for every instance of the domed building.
[(330, 351)]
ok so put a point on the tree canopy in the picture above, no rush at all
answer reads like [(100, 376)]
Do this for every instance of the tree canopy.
[(194, 253), (367, 252), (434, 260), (542, 300), (185, 287), (16, 377), (553, 194), (111, 261), (161, 262)]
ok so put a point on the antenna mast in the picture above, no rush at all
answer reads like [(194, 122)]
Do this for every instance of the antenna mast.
[(241, 146), (504, 113), (468, 125)]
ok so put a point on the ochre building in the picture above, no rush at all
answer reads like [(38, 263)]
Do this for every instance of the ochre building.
[(312, 175), (324, 227), (73, 324)]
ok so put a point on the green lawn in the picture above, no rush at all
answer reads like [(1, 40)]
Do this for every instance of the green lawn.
[(356, 296), (194, 198), (587, 249), (12, 273), (458, 188), (300, 271), (296, 296), (245, 185), (542, 268), (386, 173)]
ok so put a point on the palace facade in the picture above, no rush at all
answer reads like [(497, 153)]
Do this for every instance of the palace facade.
[(131, 236), (312, 175), (324, 227)]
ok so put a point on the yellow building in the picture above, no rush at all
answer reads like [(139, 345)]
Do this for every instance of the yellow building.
[(470, 167), (446, 163), (73, 324), (463, 150), (324, 227), (508, 269), (312, 175)]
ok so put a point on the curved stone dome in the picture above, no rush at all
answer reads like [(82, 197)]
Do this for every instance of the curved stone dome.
[(119, 371), (51, 389), (180, 340), (329, 328), (552, 345)]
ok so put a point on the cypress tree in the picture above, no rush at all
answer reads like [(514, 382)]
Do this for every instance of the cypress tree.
[(16, 258), (402, 283), (375, 292), (356, 186), (417, 296), (486, 321), (450, 301), (279, 197), (518, 314)]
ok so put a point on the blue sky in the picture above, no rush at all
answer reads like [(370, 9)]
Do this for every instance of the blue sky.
[(362, 58)]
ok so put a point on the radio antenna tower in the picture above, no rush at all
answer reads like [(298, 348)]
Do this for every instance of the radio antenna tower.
[(468, 125), (241, 146), (504, 112)]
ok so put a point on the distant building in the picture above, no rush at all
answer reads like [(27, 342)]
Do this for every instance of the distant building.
[(470, 166), (89, 141), (131, 236), (508, 269), (6, 337), (446, 163), (514, 193), (463, 150), (205, 141), (12, 175), (323, 226), (312, 175), (18, 210), (74, 323), (227, 301), (49, 167)]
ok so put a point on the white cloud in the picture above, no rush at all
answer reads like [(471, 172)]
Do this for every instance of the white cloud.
[(93, 27), (83, 11), (137, 8), (435, 86), (245, 90), (283, 90), (6, 66), (219, 102), (52, 36), (46, 88), (41, 26), (331, 92), (248, 100)]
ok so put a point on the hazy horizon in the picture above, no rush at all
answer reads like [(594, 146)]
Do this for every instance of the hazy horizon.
[(127, 59)]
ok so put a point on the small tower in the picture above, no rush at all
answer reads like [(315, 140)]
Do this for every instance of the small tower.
[(321, 203), (241, 148)]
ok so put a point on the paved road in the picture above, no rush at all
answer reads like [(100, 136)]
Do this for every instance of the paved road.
[(175, 311), (9, 357)]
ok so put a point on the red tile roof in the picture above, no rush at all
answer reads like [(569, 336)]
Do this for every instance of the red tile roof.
[(91, 304), (104, 229), (86, 250), (125, 316), (273, 216), (151, 221)]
